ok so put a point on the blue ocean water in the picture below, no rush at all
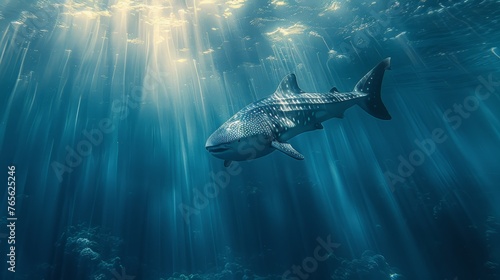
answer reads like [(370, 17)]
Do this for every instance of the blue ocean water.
[(106, 107)]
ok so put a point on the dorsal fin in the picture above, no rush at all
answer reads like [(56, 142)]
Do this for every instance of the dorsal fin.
[(334, 89), (288, 86)]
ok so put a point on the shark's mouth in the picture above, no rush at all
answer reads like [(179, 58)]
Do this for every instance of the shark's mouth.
[(217, 149)]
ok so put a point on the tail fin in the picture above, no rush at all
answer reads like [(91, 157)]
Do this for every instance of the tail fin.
[(371, 84)]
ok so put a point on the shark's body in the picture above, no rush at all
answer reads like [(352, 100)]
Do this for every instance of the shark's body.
[(266, 125)]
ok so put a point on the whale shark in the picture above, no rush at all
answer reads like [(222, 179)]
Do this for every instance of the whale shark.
[(267, 124)]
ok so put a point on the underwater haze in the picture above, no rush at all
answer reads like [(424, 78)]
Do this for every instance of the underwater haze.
[(106, 107)]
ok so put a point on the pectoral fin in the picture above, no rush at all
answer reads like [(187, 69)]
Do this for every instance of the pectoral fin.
[(287, 149), (227, 163)]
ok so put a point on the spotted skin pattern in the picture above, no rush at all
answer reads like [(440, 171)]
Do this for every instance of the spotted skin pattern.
[(288, 116), (267, 124)]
